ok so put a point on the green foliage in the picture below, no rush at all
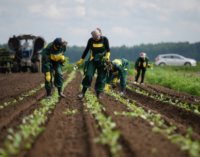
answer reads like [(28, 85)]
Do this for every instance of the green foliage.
[(68, 112), (173, 80)]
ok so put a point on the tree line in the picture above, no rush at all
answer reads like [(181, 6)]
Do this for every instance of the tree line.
[(186, 49)]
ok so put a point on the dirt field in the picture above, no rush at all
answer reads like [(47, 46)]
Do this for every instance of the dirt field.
[(73, 135)]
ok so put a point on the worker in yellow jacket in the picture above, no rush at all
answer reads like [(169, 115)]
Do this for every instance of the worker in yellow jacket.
[(53, 58)]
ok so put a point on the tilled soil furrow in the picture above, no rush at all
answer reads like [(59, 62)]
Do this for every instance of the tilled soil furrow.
[(12, 116), (17, 84), (137, 134), (177, 114), (10, 112), (67, 135)]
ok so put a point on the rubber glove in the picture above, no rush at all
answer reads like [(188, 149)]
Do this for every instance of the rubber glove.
[(149, 65), (135, 71), (115, 80), (48, 76), (79, 62), (106, 87), (108, 55)]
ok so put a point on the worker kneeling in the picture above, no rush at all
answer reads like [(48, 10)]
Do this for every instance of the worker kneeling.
[(118, 68), (53, 59)]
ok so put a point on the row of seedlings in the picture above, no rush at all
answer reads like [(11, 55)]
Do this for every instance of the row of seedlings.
[(161, 97), (32, 125), (186, 143), (33, 91), (108, 135)]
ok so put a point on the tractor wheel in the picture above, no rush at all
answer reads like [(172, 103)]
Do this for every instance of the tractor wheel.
[(36, 67), (15, 68)]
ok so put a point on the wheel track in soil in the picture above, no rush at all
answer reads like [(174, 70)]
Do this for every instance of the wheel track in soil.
[(137, 137), (14, 85), (12, 115), (69, 135), (181, 117)]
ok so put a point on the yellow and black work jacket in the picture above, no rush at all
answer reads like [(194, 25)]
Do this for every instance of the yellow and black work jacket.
[(141, 63), (96, 47), (55, 55)]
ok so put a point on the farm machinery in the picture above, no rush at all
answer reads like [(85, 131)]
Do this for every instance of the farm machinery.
[(26, 57)]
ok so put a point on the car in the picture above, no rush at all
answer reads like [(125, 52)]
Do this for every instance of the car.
[(174, 60)]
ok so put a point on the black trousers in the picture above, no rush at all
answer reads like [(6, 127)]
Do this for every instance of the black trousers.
[(138, 74)]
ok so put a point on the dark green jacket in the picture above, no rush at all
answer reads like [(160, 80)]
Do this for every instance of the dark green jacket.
[(140, 63), (55, 56), (121, 68)]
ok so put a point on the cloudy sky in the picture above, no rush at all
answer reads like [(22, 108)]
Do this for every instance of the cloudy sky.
[(123, 22)]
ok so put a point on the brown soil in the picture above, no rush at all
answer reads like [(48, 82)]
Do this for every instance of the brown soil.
[(73, 135)]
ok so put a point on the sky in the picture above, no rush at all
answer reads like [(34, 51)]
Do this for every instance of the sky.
[(123, 22)]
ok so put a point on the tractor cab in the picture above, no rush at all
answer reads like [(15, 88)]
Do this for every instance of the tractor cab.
[(27, 52)]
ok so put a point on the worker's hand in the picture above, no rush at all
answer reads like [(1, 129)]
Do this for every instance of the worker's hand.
[(115, 80), (106, 87), (108, 56), (48, 76), (135, 71), (79, 62), (149, 65)]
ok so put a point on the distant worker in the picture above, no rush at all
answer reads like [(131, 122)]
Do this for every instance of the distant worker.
[(118, 70), (100, 51), (25, 45), (141, 64), (53, 58)]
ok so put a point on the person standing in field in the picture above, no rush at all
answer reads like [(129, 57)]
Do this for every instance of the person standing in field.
[(118, 69), (100, 52), (141, 64), (53, 58)]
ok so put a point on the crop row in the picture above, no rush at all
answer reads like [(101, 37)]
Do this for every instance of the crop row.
[(23, 96), (31, 125), (108, 133), (186, 143), (161, 97)]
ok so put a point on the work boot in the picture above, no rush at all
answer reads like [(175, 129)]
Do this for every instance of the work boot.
[(99, 94), (48, 93), (83, 93), (123, 91), (61, 95)]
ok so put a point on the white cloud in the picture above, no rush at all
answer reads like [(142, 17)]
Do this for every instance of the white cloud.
[(156, 32), (81, 1), (53, 11), (123, 32)]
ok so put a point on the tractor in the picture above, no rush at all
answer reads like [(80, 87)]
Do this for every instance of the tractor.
[(27, 56)]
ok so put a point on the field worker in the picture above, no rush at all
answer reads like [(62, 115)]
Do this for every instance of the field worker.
[(100, 52), (141, 64), (53, 58), (118, 69)]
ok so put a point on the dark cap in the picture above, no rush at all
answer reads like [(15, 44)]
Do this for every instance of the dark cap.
[(60, 41)]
